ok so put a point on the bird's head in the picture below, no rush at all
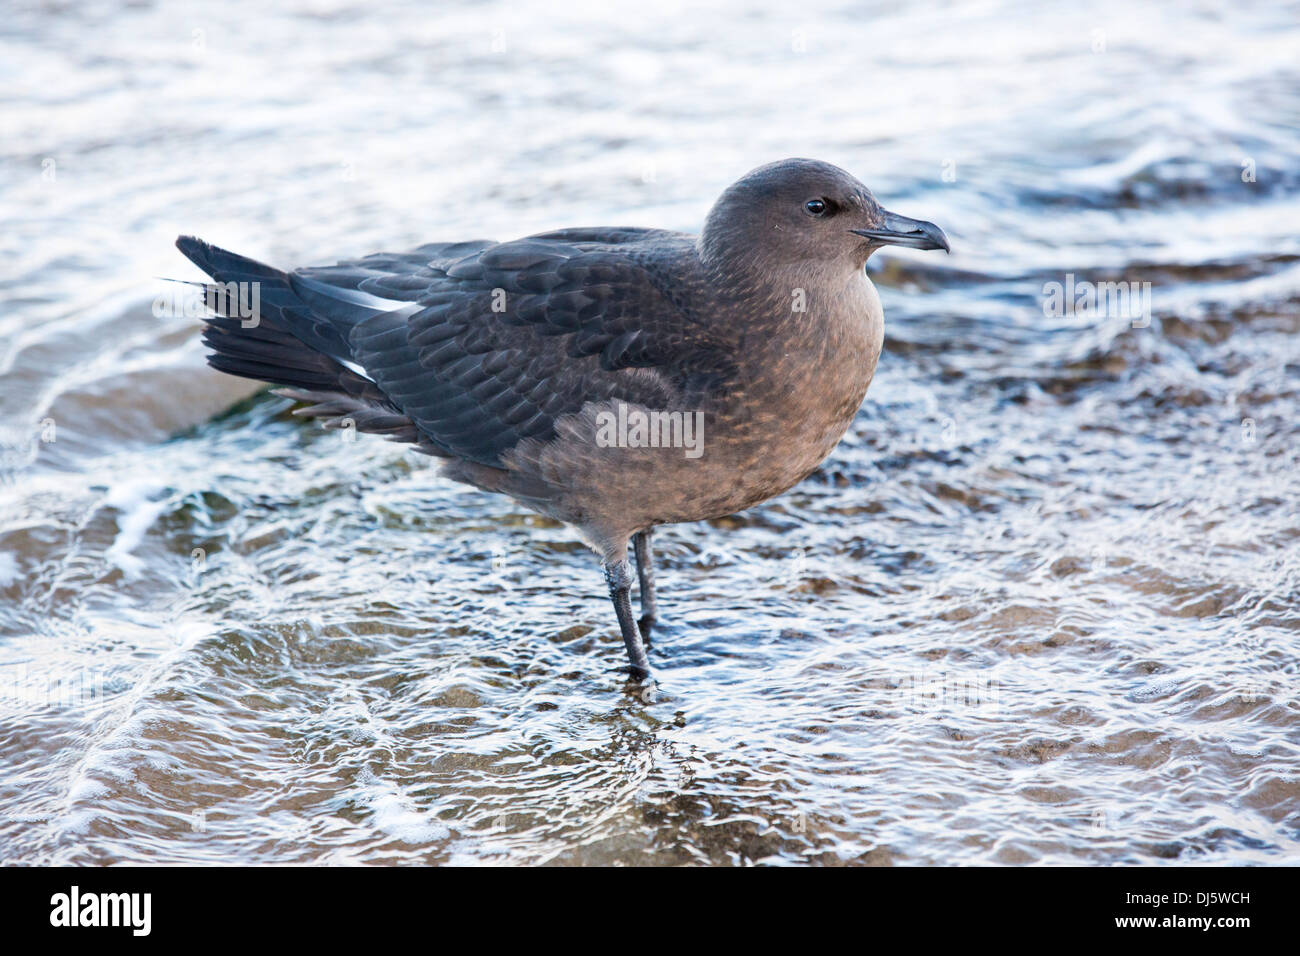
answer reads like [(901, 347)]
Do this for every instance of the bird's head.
[(806, 211)]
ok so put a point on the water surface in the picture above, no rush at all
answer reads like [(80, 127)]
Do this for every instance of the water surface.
[(1040, 606)]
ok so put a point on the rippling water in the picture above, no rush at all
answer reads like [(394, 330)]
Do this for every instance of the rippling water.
[(1041, 605)]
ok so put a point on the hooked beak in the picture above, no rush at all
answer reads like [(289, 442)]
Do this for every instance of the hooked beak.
[(898, 230)]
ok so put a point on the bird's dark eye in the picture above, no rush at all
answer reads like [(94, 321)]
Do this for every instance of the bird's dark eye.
[(816, 207)]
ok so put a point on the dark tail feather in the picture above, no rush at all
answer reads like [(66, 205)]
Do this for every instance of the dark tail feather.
[(263, 331), (278, 305), (288, 344)]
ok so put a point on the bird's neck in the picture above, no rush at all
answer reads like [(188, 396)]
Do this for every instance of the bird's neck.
[(814, 312)]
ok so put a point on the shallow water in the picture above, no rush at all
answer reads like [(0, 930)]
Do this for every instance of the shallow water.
[(1041, 605)]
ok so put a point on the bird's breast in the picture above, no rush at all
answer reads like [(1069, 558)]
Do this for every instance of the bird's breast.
[(805, 386)]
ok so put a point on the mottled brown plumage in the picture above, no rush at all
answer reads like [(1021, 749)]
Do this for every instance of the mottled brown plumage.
[(505, 359)]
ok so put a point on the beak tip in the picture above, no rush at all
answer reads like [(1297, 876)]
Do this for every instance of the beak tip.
[(937, 236), (912, 233)]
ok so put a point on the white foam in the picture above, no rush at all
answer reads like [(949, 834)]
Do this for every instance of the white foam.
[(139, 513), (394, 813), (8, 569)]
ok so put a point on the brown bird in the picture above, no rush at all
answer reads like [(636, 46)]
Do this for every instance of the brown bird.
[(615, 379)]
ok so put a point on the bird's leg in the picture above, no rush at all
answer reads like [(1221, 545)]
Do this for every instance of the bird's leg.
[(618, 575), (645, 570)]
